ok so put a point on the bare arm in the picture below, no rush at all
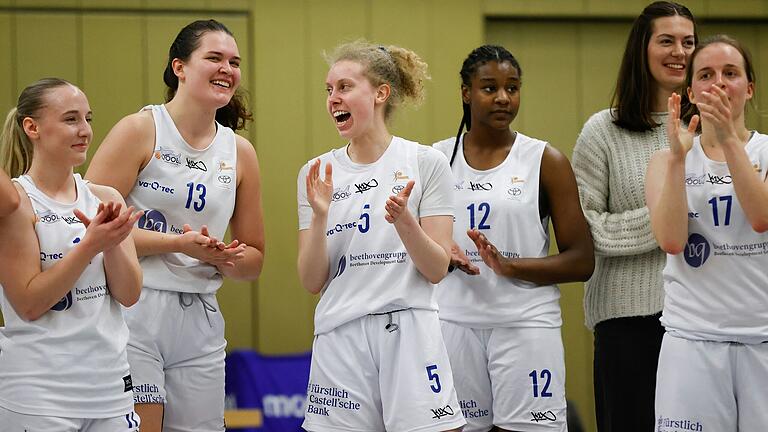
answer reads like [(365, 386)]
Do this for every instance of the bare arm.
[(750, 188), (9, 196), (247, 223), (665, 193), (121, 265), (576, 259), (313, 261), (428, 240)]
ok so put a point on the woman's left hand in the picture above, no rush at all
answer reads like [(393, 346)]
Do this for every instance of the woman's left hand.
[(397, 205)]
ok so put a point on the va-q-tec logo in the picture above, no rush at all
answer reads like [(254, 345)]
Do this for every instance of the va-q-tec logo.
[(696, 250)]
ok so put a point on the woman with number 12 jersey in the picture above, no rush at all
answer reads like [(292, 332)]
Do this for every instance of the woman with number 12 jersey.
[(500, 314)]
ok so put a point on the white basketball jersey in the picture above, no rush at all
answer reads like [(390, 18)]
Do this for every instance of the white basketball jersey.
[(370, 270), (503, 203), (72, 361), (717, 288), (183, 185)]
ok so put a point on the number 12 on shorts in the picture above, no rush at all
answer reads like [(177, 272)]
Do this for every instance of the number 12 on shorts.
[(544, 375), (434, 378)]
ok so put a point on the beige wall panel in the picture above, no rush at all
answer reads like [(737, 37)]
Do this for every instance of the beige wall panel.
[(404, 23), (177, 4), (161, 29), (761, 66), (285, 310), (46, 3), (537, 8), (229, 5), (8, 66), (113, 73), (615, 8), (600, 55), (113, 4), (736, 8), (455, 29), (37, 56), (322, 37)]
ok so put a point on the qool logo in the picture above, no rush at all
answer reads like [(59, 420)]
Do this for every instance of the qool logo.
[(48, 217), (63, 304), (694, 180), (459, 186), (696, 250), (340, 194), (153, 220), (168, 156)]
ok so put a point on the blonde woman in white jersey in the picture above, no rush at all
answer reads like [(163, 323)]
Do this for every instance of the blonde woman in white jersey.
[(500, 315), (68, 264), (708, 200), (375, 221), (182, 164)]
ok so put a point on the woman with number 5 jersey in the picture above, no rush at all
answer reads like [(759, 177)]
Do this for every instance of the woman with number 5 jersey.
[(375, 221), (500, 314), (708, 200), (182, 163)]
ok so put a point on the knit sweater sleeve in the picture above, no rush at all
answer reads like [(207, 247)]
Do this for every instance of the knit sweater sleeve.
[(616, 232)]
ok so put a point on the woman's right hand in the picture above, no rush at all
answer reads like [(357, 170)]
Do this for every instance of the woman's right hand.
[(680, 139), (319, 192), (109, 227), (459, 260)]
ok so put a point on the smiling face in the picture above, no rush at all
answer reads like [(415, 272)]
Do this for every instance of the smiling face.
[(352, 99), (212, 71), (494, 95), (721, 65), (61, 129), (669, 50)]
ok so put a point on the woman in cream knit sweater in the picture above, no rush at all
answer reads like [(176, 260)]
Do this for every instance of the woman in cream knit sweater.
[(624, 297)]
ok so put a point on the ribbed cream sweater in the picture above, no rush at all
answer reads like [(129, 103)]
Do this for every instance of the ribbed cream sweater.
[(610, 164)]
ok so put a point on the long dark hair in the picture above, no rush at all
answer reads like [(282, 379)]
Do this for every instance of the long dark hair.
[(235, 113), (478, 57), (633, 98)]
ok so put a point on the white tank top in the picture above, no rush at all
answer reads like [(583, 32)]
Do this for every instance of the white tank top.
[(503, 203), (183, 185), (72, 361), (717, 288), (370, 270)]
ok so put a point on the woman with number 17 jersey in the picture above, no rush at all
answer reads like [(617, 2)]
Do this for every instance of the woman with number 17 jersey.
[(708, 201), (500, 314)]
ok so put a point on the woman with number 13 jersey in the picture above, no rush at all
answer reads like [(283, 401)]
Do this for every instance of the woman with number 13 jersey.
[(182, 164), (500, 314), (708, 201)]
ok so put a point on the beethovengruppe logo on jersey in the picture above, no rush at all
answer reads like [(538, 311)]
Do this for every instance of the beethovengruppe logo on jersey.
[(697, 250), (516, 188), (63, 304), (155, 186), (153, 220), (666, 424), (225, 173), (168, 156), (341, 267), (399, 181)]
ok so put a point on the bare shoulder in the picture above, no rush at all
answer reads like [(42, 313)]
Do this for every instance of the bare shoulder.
[(106, 193), (553, 157), (244, 147)]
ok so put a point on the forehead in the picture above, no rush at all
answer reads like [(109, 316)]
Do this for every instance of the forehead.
[(675, 25), (345, 69), (66, 98), (718, 54), (218, 41), (495, 68)]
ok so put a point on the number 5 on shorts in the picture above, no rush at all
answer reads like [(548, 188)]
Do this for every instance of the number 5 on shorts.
[(432, 375)]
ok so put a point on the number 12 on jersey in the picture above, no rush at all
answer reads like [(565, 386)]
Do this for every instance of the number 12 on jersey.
[(483, 211)]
